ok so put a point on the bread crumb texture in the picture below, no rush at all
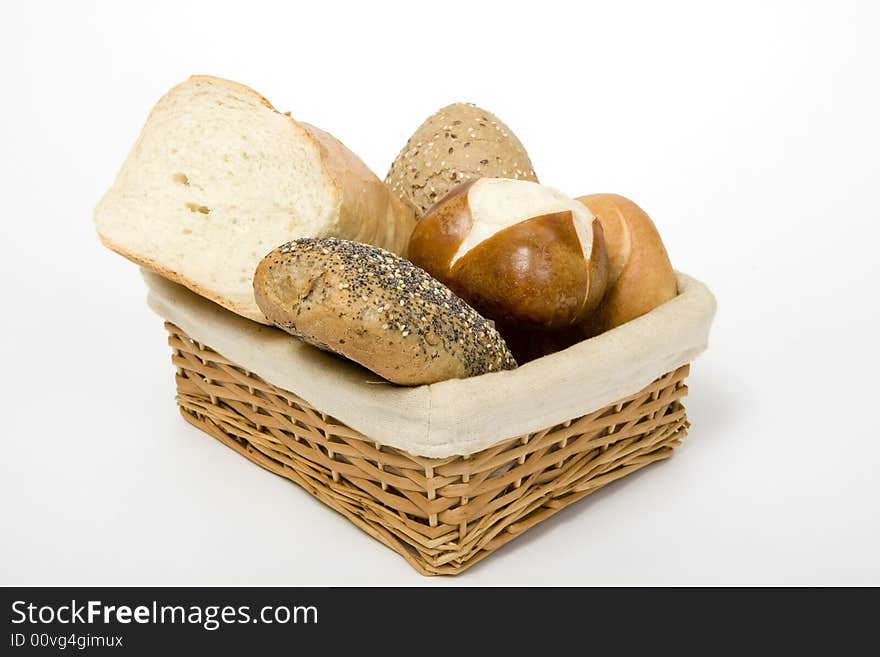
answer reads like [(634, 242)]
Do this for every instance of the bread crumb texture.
[(461, 142), (375, 290)]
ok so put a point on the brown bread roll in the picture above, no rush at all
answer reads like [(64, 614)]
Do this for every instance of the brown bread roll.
[(461, 142), (377, 309), (640, 276), (522, 254)]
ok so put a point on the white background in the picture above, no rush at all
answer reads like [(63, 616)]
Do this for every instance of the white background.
[(749, 133)]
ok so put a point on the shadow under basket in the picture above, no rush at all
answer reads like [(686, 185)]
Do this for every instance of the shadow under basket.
[(441, 514)]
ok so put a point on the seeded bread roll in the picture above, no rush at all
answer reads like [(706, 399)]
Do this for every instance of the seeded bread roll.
[(377, 309), (461, 142)]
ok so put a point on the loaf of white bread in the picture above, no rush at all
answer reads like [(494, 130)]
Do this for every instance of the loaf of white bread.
[(218, 178)]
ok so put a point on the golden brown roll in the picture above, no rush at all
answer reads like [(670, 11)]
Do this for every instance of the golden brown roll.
[(640, 276), (522, 254)]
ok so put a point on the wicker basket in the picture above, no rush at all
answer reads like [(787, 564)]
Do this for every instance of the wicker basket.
[(441, 514)]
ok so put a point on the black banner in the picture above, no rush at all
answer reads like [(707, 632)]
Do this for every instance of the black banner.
[(144, 620)]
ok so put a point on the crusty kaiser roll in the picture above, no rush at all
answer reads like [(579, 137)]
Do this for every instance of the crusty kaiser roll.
[(377, 309), (521, 253), (640, 276), (461, 142)]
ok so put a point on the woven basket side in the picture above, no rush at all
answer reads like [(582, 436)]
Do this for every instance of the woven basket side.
[(441, 515)]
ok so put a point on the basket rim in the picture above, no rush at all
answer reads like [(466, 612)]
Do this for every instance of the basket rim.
[(461, 416)]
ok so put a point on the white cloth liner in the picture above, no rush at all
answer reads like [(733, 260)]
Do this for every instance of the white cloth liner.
[(460, 416)]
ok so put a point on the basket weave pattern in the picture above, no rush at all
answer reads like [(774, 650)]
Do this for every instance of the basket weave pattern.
[(442, 515)]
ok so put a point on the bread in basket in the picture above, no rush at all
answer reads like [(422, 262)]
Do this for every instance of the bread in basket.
[(444, 474)]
